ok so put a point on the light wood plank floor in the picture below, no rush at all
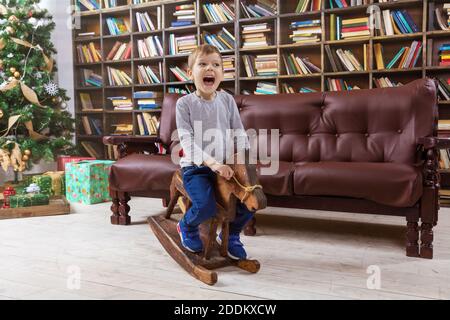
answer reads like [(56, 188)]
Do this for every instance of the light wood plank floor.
[(304, 254)]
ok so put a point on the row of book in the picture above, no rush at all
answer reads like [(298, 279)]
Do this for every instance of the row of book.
[(444, 54), (385, 82), (305, 31), (229, 68), (150, 47), (345, 60), (149, 74), (90, 5), (388, 23), (182, 44), (90, 79), (219, 12), (350, 3), (444, 162), (179, 73), (287, 88), (185, 15), (118, 77), (145, 23), (148, 100), (261, 65), (92, 126), (339, 85), (148, 124), (256, 35), (121, 103), (407, 57), (186, 90), (120, 51), (265, 88), (295, 65), (444, 24), (223, 40), (262, 8), (117, 26), (350, 28), (443, 88), (88, 53), (308, 5)]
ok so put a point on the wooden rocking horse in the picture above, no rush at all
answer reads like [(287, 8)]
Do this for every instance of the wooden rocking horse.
[(244, 187)]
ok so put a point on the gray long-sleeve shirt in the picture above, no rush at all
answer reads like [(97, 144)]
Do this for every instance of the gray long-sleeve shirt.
[(207, 129)]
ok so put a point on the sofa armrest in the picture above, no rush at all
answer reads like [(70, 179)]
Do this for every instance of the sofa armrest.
[(132, 144), (434, 142)]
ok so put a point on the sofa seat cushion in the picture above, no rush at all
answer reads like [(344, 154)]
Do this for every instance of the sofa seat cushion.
[(141, 172), (280, 183), (393, 184)]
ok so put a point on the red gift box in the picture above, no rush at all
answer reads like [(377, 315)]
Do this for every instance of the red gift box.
[(62, 160)]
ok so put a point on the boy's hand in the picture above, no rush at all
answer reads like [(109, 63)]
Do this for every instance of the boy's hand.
[(224, 171)]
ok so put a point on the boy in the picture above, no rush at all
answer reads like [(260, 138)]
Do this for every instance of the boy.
[(207, 109)]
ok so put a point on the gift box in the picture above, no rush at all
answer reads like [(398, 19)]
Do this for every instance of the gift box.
[(28, 200), (58, 182), (62, 160), (44, 183), (87, 181)]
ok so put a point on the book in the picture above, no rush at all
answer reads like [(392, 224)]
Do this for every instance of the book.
[(90, 149)]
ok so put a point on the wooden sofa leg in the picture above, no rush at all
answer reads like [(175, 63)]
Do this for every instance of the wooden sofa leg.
[(124, 208), (114, 207), (426, 237), (412, 236), (250, 228)]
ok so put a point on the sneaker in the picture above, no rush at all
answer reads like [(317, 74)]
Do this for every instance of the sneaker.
[(190, 239), (236, 249)]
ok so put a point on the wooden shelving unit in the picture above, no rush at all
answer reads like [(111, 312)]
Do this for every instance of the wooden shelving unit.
[(95, 21)]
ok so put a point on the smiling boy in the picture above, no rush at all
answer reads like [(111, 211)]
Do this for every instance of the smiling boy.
[(203, 110)]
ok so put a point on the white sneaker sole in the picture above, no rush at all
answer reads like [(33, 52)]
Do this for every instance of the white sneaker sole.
[(182, 241), (219, 241)]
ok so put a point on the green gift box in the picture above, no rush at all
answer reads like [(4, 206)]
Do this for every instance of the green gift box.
[(44, 183), (87, 181), (28, 200)]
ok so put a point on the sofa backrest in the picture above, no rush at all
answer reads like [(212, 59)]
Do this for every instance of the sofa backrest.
[(377, 125)]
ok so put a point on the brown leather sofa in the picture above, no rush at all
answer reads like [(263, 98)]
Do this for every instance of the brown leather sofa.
[(367, 151)]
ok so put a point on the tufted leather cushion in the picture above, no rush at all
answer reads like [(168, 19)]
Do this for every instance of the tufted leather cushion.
[(280, 183), (141, 172), (393, 184)]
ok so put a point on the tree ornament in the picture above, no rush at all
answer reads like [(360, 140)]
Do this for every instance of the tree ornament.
[(30, 13), (25, 158), (12, 70), (10, 30), (63, 106), (1, 63), (51, 88), (11, 79), (1, 113), (17, 74), (13, 19), (27, 152)]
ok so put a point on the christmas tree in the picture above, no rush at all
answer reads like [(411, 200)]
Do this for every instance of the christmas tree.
[(33, 122)]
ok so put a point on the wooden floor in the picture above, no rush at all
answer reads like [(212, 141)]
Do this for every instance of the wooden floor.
[(304, 255)]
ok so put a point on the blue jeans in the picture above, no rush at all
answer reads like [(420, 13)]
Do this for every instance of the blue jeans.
[(199, 184)]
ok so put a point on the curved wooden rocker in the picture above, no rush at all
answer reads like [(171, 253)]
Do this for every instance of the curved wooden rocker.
[(243, 186)]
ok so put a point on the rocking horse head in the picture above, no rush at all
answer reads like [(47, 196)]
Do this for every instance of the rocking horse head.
[(244, 184)]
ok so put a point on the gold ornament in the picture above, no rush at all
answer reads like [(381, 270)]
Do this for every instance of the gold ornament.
[(27, 152), (25, 158), (1, 113), (13, 18), (17, 74), (10, 30), (1, 63), (16, 167), (54, 100), (12, 69)]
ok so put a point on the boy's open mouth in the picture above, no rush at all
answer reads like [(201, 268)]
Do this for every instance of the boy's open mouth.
[(209, 80)]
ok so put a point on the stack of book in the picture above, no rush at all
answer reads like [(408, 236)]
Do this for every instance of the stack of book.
[(150, 47), (262, 8), (385, 82), (185, 15), (92, 125), (148, 100), (182, 44), (223, 40), (219, 12), (121, 103), (118, 26), (255, 35), (443, 88), (306, 31), (88, 53), (444, 195), (229, 68), (297, 65), (120, 51), (444, 25), (265, 88), (339, 85), (118, 77), (89, 78), (179, 73), (123, 129), (145, 23), (308, 5), (395, 22), (87, 34), (353, 28), (83, 5), (444, 54), (149, 75), (349, 3), (345, 60), (266, 65), (147, 124)]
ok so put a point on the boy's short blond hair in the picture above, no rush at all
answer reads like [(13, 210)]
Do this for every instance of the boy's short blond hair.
[(204, 49)]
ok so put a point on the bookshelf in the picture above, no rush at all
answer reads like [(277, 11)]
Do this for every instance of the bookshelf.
[(279, 44)]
